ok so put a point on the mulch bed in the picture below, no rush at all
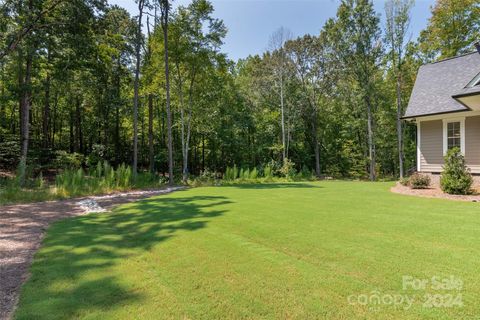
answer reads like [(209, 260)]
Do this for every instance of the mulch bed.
[(433, 193), (22, 228)]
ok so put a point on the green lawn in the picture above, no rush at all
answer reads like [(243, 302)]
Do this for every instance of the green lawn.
[(277, 251)]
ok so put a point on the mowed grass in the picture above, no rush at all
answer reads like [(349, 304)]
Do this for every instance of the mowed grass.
[(275, 251)]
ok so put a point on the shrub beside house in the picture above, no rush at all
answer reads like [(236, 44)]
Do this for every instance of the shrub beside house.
[(456, 177)]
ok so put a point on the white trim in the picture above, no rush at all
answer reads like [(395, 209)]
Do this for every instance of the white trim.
[(462, 133), (474, 82), (444, 137), (419, 165), (452, 115)]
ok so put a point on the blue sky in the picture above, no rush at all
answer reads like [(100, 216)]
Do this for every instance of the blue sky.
[(251, 22)]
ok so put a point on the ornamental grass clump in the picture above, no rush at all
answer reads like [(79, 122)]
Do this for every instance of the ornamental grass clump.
[(268, 172), (456, 177)]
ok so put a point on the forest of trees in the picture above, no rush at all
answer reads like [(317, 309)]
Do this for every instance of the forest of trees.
[(85, 80)]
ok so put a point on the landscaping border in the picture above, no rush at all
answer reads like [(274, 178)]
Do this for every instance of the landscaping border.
[(433, 192)]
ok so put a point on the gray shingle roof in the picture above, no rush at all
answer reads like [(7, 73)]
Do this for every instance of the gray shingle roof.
[(437, 82), (468, 91)]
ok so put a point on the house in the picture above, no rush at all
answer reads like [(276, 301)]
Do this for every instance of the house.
[(445, 105)]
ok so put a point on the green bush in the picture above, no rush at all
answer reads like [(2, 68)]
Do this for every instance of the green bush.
[(288, 169), (70, 182), (65, 160), (267, 172), (98, 154), (405, 181), (9, 152), (103, 178), (230, 174), (235, 172), (419, 181), (123, 176), (456, 177), (306, 173), (254, 174), (246, 174), (208, 178)]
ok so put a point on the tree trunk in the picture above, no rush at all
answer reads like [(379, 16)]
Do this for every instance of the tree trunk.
[(399, 127), (288, 139), (25, 117), (182, 121), (142, 140), (117, 114), (72, 134), (187, 149), (151, 156), (371, 146), (203, 153), (21, 89), (78, 125), (46, 113), (162, 134), (316, 145), (3, 116), (167, 88), (194, 164), (54, 120), (135, 89), (283, 119), (182, 138), (186, 140)]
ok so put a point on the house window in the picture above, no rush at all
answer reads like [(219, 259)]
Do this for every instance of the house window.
[(453, 135)]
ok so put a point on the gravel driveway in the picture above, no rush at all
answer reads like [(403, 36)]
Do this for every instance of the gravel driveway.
[(23, 226)]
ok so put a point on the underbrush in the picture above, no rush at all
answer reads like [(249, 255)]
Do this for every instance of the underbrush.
[(100, 179), (263, 174), (10, 192)]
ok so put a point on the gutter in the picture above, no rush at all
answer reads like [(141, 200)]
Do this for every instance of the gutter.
[(434, 114)]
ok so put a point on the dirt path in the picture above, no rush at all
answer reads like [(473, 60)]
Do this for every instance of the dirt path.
[(23, 226)]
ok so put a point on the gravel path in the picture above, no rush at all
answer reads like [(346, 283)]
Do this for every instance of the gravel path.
[(23, 226)]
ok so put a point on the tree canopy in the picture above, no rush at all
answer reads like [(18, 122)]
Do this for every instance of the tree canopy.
[(83, 77)]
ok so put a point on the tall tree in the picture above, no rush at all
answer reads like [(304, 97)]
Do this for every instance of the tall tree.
[(397, 22), (279, 66), (138, 45), (196, 37), (164, 6), (148, 57), (12, 37), (313, 65), (451, 30), (25, 97), (357, 34)]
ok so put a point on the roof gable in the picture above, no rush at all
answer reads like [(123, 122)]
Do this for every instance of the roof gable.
[(437, 83)]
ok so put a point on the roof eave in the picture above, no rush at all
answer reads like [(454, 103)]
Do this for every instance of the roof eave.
[(434, 114), (468, 94)]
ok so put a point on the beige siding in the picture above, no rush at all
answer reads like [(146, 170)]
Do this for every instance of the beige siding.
[(431, 146), (472, 143)]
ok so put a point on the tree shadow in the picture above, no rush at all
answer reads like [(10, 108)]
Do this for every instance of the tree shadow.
[(281, 185), (59, 287)]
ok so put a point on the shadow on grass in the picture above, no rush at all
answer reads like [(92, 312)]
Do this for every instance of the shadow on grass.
[(74, 275), (274, 185)]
